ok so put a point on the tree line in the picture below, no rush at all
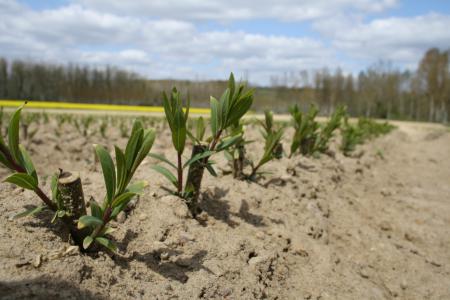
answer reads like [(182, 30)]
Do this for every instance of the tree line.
[(380, 91)]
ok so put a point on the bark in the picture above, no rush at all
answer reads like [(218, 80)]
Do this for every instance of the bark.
[(239, 163), (194, 178), (72, 198)]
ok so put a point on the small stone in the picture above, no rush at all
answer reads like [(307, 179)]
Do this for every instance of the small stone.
[(37, 261), (363, 272), (121, 217), (260, 235), (164, 255), (185, 237), (256, 260), (403, 284), (385, 226), (409, 237), (142, 217), (181, 211), (385, 192)]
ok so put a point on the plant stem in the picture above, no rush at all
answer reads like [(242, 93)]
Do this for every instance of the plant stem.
[(215, 140), (180, 174), (18, 168)]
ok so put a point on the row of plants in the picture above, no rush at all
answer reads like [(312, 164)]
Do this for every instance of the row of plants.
[(224, 133)]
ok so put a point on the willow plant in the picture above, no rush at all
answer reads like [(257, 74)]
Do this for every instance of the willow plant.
[(229, 109), (306, 130), (327, 131), (272, 144), (67, 200)]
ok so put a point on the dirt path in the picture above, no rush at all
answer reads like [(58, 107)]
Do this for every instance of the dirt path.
[(373, 227)]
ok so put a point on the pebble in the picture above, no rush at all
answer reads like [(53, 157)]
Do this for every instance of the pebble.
[(37, 261), (164, 255), (186, 237), (385, 226), (403, 284), (363, 272), (121, 217), (386, 192), (142, 217), (260, 235)]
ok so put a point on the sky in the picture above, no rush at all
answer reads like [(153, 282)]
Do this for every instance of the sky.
[(199, 39)]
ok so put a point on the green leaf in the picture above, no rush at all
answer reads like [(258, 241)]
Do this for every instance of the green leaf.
[(109, 172), (200, 129), (121, 169), (133, 144), (13, 135), (179, 131), (107, 243), (87, 242), (240, 109), (211, 170), (167, 110), (23, 180), (225, 105), (54, 187), (123, 198), (197, 157), (226, 143), (146, 145), (231, 84), (215, 125), (30, 212), (137, 187), (163, 159), (28, 163), (107, 230), (96, 210), (89, 221), (166, 173)]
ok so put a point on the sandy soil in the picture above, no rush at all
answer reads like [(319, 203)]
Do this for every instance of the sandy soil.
[(373, 227)]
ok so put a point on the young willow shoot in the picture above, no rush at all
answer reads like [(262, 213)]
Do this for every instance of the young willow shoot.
[(306, 130), (272, 145), (270, 130), (229, 109), (117, 178), (327, 131), (358, 133)]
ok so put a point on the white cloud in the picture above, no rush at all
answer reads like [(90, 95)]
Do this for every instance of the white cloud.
[(286, 10), (402, 40)]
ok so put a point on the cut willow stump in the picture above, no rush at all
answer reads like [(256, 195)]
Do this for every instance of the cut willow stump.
[(72, 199), (239, 163), (194, 178), (278, 151)]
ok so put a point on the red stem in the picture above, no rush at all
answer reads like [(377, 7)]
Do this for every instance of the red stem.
[(215, 140)]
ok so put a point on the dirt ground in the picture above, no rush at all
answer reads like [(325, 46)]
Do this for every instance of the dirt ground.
[(373, 227)]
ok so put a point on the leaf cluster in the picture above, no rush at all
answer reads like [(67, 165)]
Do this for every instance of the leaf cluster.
[(117, 179)]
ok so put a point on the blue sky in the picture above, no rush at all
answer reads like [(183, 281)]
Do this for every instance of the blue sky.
[(194, 39)]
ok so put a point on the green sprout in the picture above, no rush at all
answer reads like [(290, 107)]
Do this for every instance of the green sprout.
[(225, 112)]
